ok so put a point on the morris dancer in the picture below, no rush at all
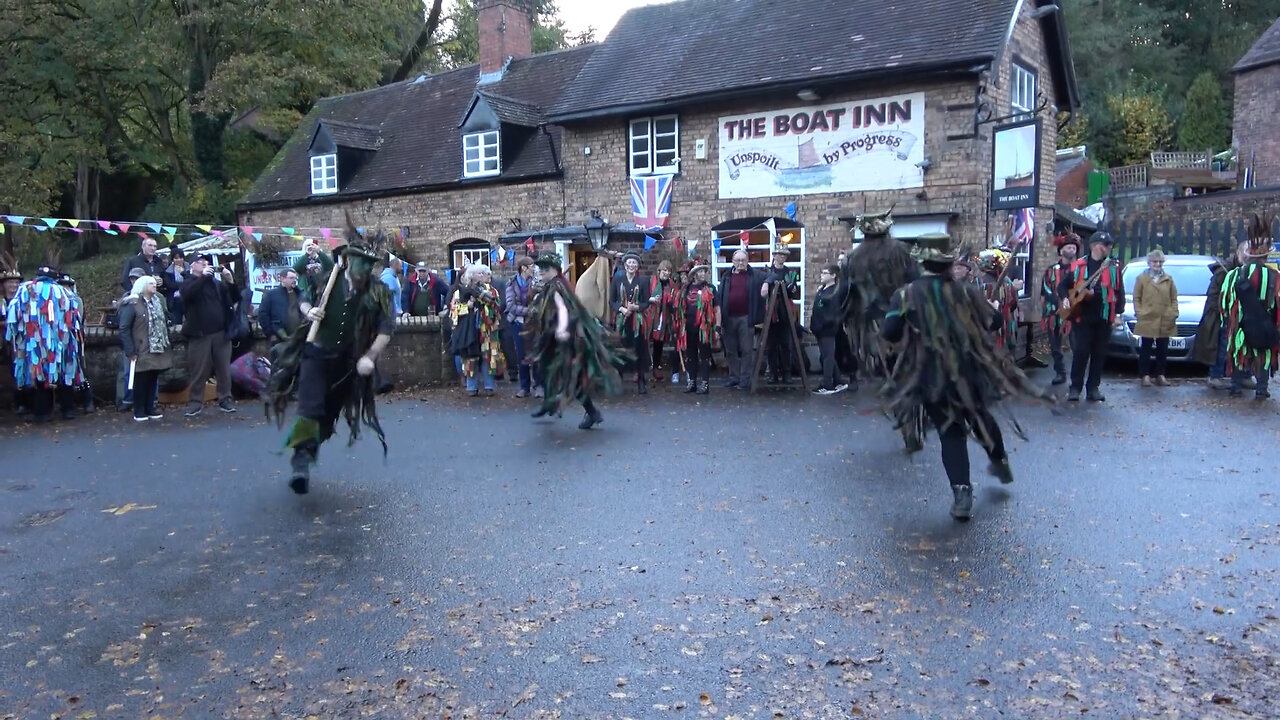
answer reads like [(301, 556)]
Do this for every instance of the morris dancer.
[(43, 323), (1003, 296), (1251, 311), (629, 300), (1068, 248), (700, 323), (950, 367), (663, 316), (576, 356), (333, 373)]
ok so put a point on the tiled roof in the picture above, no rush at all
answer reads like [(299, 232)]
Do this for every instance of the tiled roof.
[(360, 137), (1266, 51), (690, 49), (416, 122), (515, 112)]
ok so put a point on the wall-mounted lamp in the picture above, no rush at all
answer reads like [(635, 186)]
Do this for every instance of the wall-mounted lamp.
[(808, 95), (924, 165), (597, 231)]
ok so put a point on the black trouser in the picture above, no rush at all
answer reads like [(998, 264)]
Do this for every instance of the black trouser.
[(640, 346), (955, 440), (324, 379), (657, 355), (1144, 355), (827, 351), (144, 392), (780, 355), (846, 361), (697, 359), (1088, 352), (42, 400), (1055, 348)]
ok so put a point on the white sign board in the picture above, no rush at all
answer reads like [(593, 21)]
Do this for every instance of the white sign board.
[(875, 144), (263, 278)]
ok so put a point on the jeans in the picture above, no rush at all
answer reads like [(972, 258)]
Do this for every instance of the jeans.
[(1219, 368), (827, 351), (1088, 352), (525, 371), (1055, 348), (485, 372), (1144, 355)]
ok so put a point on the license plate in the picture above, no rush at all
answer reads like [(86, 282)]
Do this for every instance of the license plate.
[(1177, 343)]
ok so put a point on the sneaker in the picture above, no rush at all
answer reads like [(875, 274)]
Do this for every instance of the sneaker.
[(1162, 381), (193, 410), (538, 392), (488, 392), (675, 378), (1219, 383), (522, 394), (1146, 381), (842, 387), (157, 416), (1095, 396), (1073, 395), (962, 503), (1250, 383), (825, 391), (1001, 470), (1060, 378), (226, 406), (140, 419)]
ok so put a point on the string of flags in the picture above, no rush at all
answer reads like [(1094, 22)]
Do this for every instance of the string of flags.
[(171, 231)]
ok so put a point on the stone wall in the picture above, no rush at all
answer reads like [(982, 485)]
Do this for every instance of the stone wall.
[(1257, 137), (1161, 202), (415, 357)]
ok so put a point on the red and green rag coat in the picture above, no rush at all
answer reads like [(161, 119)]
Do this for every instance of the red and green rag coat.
[(703, 304), (1267, 282), (1107, 289), (662, 317), (1006, 295), (1050, 320), (483, 307)]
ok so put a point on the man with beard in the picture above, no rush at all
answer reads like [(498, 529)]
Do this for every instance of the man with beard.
[(1068, 248), (1101, 307), (333, 366)]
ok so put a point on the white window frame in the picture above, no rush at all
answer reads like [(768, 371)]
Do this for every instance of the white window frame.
[(480, 154), (324, 174), (1022, 91), (651, 150), (1023, 258), (758, 240), (473, 254)]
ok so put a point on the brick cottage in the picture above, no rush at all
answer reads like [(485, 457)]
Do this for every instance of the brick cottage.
[(1257, 95), (743, 110)]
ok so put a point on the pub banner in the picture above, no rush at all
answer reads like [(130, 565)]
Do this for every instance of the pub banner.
[(875, 144)]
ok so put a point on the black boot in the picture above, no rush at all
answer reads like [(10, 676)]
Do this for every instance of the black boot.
[(546, 409), (592, 418), (1001, 470), (1059, 378), (691, 386), (962, 504), (642, 385), (703, 387), (301, 462)]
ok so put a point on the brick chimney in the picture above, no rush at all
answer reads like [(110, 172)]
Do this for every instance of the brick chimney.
[(505, 31)]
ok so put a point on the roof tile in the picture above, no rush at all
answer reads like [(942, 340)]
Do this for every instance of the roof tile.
[(1266, 51)]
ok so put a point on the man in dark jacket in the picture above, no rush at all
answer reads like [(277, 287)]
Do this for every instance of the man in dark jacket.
[(740, 301), (209, 305), (151, 264), (278, 315), (425, 292), (780, 354)]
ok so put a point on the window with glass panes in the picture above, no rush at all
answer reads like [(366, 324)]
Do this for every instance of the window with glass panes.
[(759, 254), (480, 154), (324, 174), (1022, 92), (654, 145)]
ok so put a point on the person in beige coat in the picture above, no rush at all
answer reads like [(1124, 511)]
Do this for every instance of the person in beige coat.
[(1155, 304)]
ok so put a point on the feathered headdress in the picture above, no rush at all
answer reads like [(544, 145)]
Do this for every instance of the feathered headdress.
[(373, 246), (875, 225), (52, 262), (9, 268), (993, 260)]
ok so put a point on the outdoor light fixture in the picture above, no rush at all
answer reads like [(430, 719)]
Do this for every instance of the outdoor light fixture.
[(597, 230), (807, 94)]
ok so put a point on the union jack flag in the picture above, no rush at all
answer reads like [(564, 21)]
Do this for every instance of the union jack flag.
[(651, 201), (1023, 224)]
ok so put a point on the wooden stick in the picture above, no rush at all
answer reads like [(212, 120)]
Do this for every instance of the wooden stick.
[(314, 332)]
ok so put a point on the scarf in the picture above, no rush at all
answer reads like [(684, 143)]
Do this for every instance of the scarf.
[(157, 324)]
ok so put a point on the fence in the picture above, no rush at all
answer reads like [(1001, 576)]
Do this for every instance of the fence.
[(1136, 238)]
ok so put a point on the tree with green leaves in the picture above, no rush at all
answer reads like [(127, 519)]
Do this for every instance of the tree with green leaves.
[(1203, 125)]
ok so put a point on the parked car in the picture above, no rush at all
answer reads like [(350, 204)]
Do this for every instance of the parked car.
[(1192, 275)]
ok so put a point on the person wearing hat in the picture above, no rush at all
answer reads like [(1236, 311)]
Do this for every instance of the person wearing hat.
[(780, 354), (1068, 247), (949, 368), (874, 270), (577, 357), (333, 374), (664, 317), (629, 299), (1091, 328), (1251, 311), (426, 292), (699, 325), (209, 304), (10, 275), (1002, 293), (42, 326)]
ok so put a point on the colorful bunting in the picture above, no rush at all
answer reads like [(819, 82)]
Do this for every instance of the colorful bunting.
[(649, 242), (155, 227), (790, 210), (51, 222), (287, 230)]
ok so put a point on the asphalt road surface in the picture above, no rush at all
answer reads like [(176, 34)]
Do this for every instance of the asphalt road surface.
[(733, 556)]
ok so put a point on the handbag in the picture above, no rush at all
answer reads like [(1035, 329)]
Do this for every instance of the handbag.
[(465, 339)]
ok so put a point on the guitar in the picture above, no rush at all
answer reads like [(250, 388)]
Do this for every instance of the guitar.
[(1082, 291)]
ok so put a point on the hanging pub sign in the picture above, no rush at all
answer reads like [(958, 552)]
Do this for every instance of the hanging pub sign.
[(875, 144), (1015, 166)]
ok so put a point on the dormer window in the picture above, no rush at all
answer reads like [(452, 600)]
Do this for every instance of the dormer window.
[(480, 154), (324, 174)]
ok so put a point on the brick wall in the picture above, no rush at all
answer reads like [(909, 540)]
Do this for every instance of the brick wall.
[(503, 28), (1257, 136), (1162, 203), (1073, 186)]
